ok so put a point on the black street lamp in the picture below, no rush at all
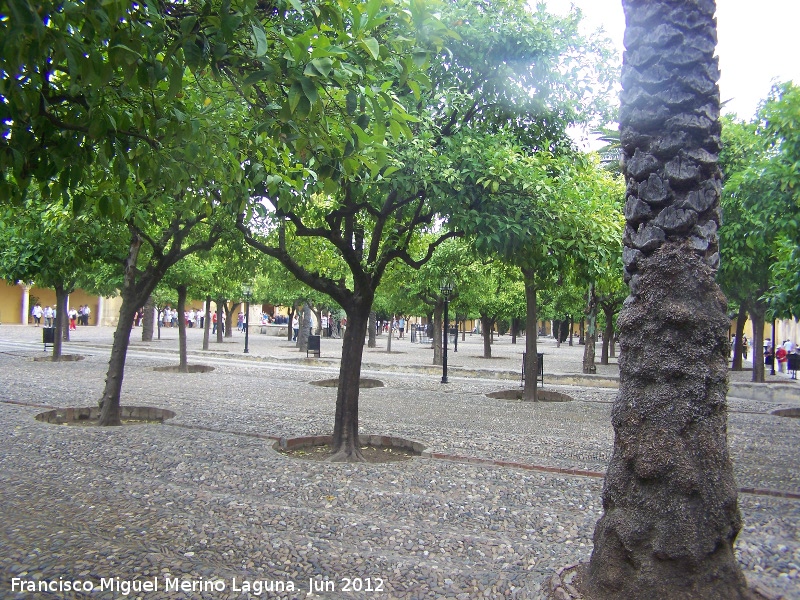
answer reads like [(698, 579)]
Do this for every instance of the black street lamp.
[(247, 290), (446, 289)]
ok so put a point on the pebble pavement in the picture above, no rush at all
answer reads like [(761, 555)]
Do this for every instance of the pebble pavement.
[(203, 507)]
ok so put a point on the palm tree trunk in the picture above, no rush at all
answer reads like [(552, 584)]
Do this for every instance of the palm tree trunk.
[(669, 498)]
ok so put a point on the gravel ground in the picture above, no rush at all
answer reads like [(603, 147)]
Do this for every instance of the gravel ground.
[(201, 502)]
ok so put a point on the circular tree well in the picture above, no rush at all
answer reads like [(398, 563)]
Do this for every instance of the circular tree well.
[(364, 384), (793, 413), (374, 448), (543, 395), (90, 415), (62, 358), (189, 369)]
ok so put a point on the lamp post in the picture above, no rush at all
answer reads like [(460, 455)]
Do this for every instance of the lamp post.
[(446, 289), (247, 290)]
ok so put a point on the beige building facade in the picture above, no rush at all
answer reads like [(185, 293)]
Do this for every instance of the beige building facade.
[(16, 302)]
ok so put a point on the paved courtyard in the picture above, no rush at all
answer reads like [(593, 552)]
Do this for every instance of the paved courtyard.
[(203, 507)]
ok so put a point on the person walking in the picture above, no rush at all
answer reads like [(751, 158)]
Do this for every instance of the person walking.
[(295, 327)]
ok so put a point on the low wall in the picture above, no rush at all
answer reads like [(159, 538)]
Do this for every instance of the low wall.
[(272, 329)]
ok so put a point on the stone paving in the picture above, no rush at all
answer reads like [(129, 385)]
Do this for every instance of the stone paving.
[(203, 507)]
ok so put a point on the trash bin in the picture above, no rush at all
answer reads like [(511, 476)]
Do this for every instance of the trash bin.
[(313, 346), (48, 336), (540, 370), (453, 335)]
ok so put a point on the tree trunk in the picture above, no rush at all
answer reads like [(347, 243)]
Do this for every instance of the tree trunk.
[(757, 318), (183, 365), (147, 320), (591, 333), (110, 402), (334, 327), (669, 498), (436, 339), (229, 318), (207, 322), (289, 328), (738, 349), (62, 305), (61, 322), (318, 314), (371, 329), (608, 334), (389, 341), (582, 331), (305, 328), (345, 429), (571, 328), (513, 330), (486, 325), (529, 390), (221, 318)]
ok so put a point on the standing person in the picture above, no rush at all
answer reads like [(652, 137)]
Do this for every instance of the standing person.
[(324, 325), (73, 319), (401, 326), (295, 327), (37, 312), (48, 316), (782, 356), (240, 321), (745, 346), (214, 322)]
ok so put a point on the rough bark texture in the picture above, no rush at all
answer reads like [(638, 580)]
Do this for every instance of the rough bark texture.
[(669, 498), (671, 513)]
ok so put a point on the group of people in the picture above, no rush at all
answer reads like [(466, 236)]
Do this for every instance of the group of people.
[(77, 316), (782, 354), (168, 317)]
